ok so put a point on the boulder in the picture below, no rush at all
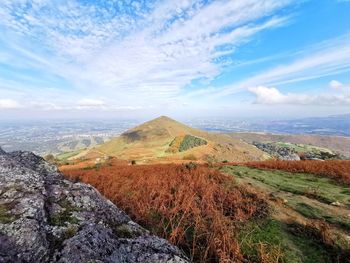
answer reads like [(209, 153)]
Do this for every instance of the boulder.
[(45, 218)]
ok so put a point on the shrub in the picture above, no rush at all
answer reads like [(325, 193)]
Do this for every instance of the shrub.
[(196, 209), (191, 165), (190, 142), (335, 169), (50, 158), (190, 157)]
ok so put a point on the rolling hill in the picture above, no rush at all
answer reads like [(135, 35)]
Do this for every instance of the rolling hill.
[(166, 140)]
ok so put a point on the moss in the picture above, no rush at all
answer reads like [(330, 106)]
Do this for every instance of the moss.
[(56, 243), (62, 218), (124, 231), (65, 216), (5, 216), (71, 232)]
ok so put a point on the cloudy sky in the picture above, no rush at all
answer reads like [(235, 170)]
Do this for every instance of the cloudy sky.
[(140, 58)]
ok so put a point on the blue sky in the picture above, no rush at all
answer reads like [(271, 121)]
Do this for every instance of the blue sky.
[(251, 58)]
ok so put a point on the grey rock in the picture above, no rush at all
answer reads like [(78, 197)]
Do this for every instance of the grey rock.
[(45, 218), (290, 154), (2, 151)]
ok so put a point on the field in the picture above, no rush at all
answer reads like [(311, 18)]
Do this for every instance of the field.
[(233, 215)]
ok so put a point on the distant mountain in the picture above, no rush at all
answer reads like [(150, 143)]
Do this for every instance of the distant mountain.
[(164, 139)]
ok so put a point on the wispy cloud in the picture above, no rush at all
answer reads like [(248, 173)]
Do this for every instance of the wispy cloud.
[(136, 52), (327, 58)]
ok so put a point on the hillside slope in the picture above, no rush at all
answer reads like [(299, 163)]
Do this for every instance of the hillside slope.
[(154, 141)]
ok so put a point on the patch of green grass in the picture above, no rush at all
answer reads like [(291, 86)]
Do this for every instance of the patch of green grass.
[(66, 155), (276, 236), (316, 213), (321, 188)]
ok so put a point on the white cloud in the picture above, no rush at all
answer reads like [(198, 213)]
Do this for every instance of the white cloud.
[(9, 104), (265, 95), (272, 96), (336, 84)]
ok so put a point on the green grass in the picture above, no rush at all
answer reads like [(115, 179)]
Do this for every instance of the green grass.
[(277, 236), (323, 189), (316, 213), (65, 156)]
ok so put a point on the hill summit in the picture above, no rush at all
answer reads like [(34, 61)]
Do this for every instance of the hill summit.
[(166, 140)]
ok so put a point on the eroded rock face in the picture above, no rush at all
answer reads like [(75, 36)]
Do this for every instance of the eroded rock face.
[(45, 218)]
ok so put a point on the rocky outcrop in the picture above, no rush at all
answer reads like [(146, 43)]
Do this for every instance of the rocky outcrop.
[(45, 218), (281, 153), (295, 152)]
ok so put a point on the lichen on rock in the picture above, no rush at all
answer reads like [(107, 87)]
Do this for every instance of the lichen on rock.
[(45, 218)]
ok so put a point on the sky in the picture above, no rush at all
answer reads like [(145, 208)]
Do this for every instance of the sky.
[(185, 58)]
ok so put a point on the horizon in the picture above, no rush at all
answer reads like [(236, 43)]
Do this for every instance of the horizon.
[(173, 117), (273, 60)]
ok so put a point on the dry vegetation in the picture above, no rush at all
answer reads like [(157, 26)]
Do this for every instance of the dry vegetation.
[(197, 208), (337, 170)]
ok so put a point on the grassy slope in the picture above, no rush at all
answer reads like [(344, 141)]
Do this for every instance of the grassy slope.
[(320, 188), (66, 155), (306, 197)]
